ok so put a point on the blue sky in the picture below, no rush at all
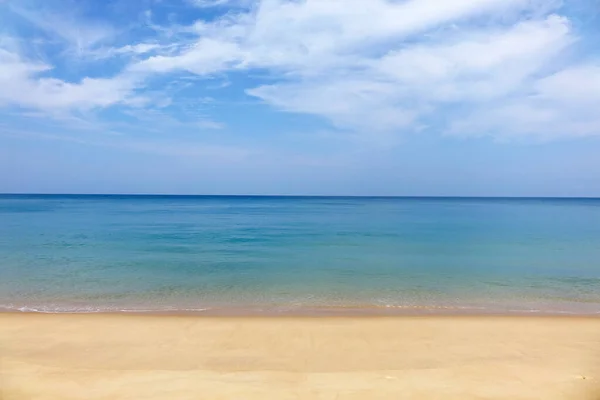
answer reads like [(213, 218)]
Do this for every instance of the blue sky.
[(334, 97)]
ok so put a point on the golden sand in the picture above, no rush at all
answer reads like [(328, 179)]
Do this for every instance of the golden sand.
[(175, 357)]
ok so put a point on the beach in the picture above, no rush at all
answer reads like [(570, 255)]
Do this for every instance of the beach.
[(120, 356), (204, 297)]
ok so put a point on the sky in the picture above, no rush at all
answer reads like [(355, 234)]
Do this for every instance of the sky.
[(301, 97)]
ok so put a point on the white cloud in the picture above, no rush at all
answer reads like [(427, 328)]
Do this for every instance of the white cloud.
[(388, 66), (205, 57), (306, 35), (579, 84), (365, 105), (305, 29), (23, 86), (394, 91), (559, 105), (127, 50), (463, 67), (481, 66)]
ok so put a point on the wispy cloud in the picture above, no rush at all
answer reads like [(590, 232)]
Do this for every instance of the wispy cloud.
[(24, 86), (562, 104), (191, 149), (127, 50), (422, 60), (64, 25), (209, 3), (219, 3), (503, 68)]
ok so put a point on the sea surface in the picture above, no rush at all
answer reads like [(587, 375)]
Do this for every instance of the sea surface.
[(227, 254)]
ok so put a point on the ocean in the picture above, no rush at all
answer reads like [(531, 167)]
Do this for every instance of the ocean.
[(312, 255)]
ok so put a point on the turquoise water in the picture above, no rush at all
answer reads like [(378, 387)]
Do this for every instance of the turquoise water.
[(280, 254)]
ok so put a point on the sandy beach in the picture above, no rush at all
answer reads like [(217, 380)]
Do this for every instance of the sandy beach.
[(192, 357)]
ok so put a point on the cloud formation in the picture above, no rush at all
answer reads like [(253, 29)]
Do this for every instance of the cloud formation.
[(23, 85), (500, 68)]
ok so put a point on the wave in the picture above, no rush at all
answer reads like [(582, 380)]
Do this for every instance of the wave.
[(296, 310), (54, 309)]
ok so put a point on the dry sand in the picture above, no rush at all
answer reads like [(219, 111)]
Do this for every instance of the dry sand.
[(186, 357)]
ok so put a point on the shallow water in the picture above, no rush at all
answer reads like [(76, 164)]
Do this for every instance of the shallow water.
[(285, 255)]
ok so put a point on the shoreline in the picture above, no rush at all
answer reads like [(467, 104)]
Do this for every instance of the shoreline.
[(307, 311), (309, 316)]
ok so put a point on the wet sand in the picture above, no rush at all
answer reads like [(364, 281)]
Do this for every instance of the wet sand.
[(118, 356)]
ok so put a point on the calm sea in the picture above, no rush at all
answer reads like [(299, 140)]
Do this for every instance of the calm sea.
[(208, 254)]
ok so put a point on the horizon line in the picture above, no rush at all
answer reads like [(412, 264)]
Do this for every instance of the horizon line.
[(300, 196)]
